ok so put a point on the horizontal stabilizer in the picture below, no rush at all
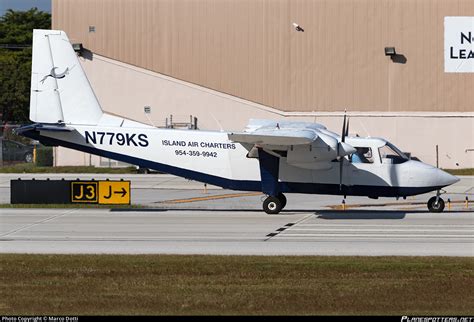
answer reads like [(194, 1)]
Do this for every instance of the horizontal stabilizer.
[(44, 127)]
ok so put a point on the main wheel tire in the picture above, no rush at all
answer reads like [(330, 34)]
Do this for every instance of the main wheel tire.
[(272, 205), (283, 200), (435, 207), (28, 157)]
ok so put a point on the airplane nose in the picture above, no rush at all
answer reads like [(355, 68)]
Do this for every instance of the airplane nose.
[(446, 179)]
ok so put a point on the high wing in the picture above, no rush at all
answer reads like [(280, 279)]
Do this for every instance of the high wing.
[(305, 145), (276, 137), (270, 132)]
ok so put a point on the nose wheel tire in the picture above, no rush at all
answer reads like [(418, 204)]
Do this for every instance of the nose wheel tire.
[(434, 206), (272, 205)]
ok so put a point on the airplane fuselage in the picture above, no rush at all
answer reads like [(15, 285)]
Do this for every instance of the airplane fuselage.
[(212, 158)]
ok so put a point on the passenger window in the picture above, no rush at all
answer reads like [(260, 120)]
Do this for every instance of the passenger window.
[(363, 155)]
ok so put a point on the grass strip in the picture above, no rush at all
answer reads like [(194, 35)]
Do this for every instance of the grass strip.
[(244, 285)]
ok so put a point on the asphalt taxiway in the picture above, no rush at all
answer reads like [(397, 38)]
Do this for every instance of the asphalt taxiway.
[(236, 232), (185, 217)]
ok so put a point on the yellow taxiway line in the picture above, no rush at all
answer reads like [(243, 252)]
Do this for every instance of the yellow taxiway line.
[(215, 197)]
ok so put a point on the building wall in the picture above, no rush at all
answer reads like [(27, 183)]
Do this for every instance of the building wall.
[(248, 49), (227, 61)]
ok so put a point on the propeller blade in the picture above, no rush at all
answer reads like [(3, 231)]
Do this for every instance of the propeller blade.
[(347, 127), (343, 128), (342, 136), (345, 132), (340, 173)]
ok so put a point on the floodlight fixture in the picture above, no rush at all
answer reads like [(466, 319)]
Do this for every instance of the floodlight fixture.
[(77, 47), (390, 51)]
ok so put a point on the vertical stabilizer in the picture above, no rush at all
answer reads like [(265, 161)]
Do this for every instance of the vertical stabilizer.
[(60, 91)]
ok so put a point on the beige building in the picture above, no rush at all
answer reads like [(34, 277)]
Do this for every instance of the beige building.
[(225, 61)]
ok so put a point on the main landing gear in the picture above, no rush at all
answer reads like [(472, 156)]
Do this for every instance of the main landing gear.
[(273, 205), (436, 204)]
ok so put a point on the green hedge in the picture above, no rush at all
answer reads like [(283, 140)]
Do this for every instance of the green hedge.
[(44, 157)]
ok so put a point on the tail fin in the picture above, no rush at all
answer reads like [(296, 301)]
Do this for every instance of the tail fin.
[(60, 91)]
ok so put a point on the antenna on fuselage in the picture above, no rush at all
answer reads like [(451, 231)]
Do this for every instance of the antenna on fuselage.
[(217, 121)]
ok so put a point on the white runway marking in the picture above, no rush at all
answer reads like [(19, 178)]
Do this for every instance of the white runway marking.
[(313, 230)]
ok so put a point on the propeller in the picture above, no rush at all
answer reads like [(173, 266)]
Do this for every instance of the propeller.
[(345, 132)]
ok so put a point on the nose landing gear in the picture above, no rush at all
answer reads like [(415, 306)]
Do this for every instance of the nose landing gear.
[(436, 203), (273, 205)]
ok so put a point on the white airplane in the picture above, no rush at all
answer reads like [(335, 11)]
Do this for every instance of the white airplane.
[(274, 157)]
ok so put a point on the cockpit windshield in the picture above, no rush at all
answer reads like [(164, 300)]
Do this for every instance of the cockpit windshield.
[(391, 154)]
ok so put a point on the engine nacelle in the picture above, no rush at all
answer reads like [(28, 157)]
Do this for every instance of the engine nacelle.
[(318, 154)]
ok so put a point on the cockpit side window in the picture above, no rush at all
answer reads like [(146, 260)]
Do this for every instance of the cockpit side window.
[(363, 155), (390, 154)]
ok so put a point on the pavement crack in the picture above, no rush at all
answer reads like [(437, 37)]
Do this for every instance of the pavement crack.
[(38, 223)]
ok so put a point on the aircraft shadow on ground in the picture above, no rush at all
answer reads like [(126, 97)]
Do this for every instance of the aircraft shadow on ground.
[(364, 214), (323, 214), (375, 214)]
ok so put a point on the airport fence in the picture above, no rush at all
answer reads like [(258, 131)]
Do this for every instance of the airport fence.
[(16, 149)]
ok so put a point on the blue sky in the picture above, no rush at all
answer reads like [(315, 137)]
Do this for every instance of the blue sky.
[(43, 5)]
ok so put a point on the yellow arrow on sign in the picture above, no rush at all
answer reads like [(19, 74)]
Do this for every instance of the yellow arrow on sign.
[(114, 192)]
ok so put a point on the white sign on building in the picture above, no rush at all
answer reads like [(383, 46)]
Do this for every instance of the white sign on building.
[(459, 44)]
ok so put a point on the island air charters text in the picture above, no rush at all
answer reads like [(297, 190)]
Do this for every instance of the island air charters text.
[(191, 148)]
